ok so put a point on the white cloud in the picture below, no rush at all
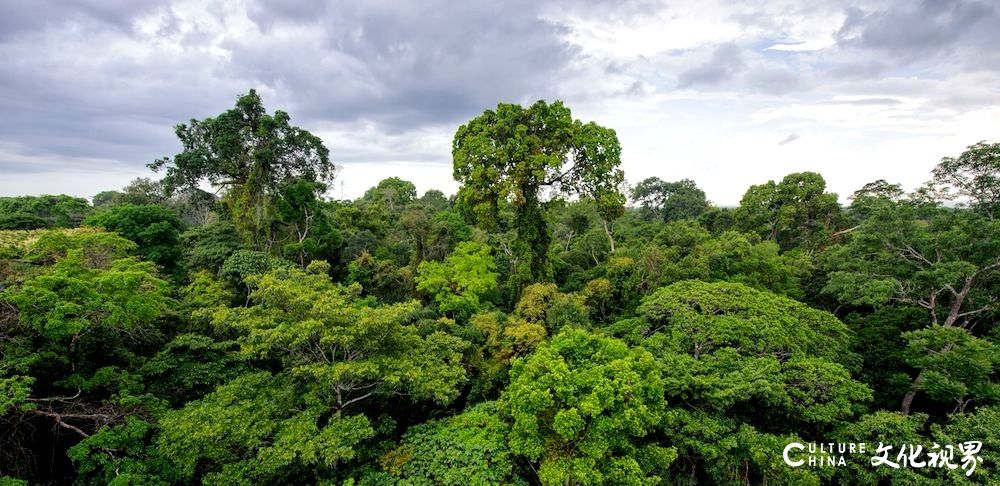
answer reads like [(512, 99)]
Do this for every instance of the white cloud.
[(679, 27)]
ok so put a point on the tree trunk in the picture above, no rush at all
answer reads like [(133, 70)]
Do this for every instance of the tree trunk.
[(904, 408), (608, 231), (953, 315), (956, 304)]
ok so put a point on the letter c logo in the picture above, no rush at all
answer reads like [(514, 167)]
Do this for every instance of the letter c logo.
[(788, 460)]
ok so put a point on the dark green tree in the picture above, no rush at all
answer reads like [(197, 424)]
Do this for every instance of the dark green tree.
[(393, 193), (302, 224), (207, 247), (973, 176), (917, 253), (325, 354), (746, 371), (33, 212), (154, 229), (671, 201), (796, 212), (515, 158), (251, 154)]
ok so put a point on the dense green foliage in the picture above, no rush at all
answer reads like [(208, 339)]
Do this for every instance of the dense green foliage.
[(256, 156), (154, 229), (507, 159), (533, 329), (672, 201), (30, 212)]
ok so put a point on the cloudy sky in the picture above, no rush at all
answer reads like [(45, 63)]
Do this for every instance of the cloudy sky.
[(726, 93)]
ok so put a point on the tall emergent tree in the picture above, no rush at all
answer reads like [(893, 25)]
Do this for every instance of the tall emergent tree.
[(975, 176), (251, 155), (796, 212), (518, 159), (670, 200)]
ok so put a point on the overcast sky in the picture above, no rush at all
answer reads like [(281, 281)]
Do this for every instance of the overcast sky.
[(726, 93)]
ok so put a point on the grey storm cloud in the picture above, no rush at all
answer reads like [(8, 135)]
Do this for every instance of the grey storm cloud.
[(917, 30), (20, 16), (97, 84), (726, 61), (402, 64)]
